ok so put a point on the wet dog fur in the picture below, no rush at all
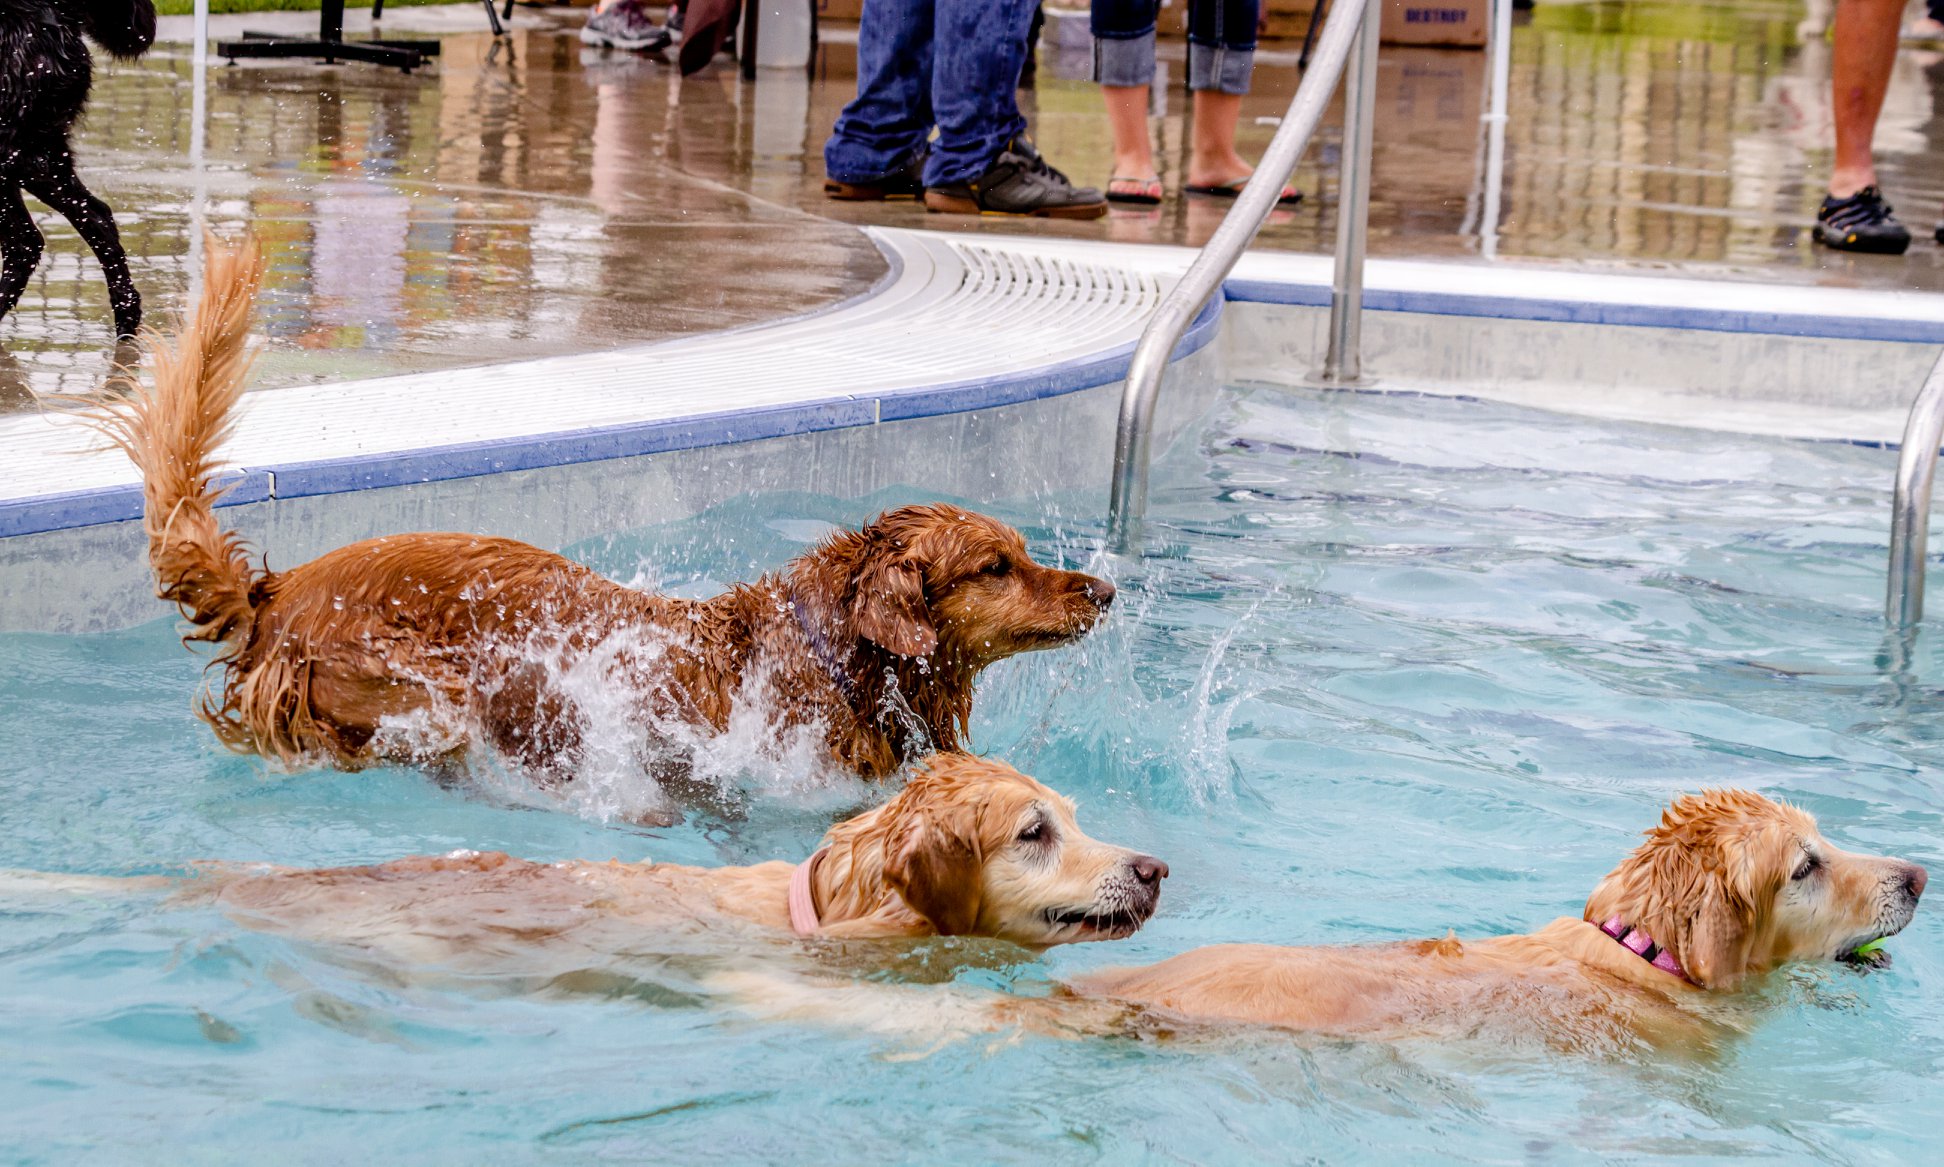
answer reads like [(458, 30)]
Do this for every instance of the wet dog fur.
[(875, 635), (969, 847), (1735, 885)]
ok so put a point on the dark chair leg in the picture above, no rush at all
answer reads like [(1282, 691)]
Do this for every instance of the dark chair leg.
[(62, 189), (377, 9), (493, 18), (1309, 38), (20, 246)]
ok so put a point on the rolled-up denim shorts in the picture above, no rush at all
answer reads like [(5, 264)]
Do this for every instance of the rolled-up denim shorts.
[(1221, 43)]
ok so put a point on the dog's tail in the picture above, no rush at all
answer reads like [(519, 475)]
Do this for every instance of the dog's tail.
[(125, 28), (172, 431)]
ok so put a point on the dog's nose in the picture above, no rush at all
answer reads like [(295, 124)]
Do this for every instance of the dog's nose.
[(1149, 870), (1914, 880), (1100, 592)]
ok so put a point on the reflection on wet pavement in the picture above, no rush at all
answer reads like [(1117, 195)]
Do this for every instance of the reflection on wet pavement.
[(510, 202), (534, 196)]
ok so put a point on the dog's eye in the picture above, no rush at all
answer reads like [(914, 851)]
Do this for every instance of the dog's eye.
[(1808, 867), (1033, 833), (997, 567)]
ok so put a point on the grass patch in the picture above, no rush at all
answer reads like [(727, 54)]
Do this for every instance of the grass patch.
[(188, 7)]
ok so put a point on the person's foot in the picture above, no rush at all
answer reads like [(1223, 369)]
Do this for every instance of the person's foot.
[(1220, 168), (1861, 222), (907, 182), (1143, 192), (624, 26), (673, 25), (1019, 182), (1289, 196)]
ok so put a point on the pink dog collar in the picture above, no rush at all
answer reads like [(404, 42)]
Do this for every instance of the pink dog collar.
[(1640, 944), (803, 901)]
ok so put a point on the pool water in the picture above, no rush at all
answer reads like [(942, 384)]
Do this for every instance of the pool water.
[(1394, 664)]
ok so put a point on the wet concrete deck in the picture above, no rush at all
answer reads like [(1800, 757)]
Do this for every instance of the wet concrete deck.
[(533, 197)]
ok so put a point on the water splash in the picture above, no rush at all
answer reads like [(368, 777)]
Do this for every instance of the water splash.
[(636, 755)]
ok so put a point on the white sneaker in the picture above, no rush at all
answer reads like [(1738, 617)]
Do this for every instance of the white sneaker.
[(624, 26)]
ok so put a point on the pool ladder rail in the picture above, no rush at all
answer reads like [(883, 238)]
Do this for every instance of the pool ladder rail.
[(1910, 506), (1349, 37)]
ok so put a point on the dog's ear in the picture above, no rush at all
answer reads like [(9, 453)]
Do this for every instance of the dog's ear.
[(934, 867), (888, 607), (1714, 938), (1695, 887)]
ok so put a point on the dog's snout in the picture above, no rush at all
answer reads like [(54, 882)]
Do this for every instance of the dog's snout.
[(1151, 871), (1099, 591), (1914, 880)]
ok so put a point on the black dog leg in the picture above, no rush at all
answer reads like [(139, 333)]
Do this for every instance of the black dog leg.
[(20, 246), (63, 191)]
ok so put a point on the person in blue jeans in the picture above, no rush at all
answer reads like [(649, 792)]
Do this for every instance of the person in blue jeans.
[(953, 65), (1221, 56)]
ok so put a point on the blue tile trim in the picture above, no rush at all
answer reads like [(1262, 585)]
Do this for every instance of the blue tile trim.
[(108, 504), (528, 452), (434, 464), (1830, 327), (597, 444)]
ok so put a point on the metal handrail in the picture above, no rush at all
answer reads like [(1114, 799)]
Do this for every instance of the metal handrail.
[(1239, 227), (1343, 355), (1903, 604)]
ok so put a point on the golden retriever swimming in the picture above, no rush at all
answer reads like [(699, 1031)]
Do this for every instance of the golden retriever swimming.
[(1729, 885), (411, 648), (969, 847)]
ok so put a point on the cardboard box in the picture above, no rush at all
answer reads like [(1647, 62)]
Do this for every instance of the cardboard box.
[(1451, 23)]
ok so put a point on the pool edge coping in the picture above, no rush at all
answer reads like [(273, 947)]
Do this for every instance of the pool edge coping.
[(1278, 279)]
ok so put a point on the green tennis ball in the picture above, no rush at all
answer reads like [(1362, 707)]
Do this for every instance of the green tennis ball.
[(1871, 955)]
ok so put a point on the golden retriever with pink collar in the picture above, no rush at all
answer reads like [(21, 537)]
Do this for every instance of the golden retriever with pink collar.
[(970, 847), (1728, 886)]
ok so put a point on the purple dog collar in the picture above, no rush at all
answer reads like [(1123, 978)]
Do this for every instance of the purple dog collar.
[(1642, 945)]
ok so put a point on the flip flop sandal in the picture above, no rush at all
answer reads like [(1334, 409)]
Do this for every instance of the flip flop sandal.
[(1145, 192), (1227, 190)]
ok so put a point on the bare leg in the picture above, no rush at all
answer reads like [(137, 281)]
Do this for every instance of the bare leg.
[(1127, 117), (61, 189), (1865, 49), (20, 246), (1214, 160)]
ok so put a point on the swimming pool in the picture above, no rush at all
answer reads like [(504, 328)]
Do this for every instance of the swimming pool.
[(1396, 664)]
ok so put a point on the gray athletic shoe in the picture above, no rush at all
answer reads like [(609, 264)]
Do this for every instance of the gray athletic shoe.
[(1019, 182), (624, 26)]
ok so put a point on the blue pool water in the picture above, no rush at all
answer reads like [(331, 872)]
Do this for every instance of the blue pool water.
[(1397, 664)]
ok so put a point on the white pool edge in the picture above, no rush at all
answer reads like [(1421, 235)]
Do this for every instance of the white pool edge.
[(959, 324)]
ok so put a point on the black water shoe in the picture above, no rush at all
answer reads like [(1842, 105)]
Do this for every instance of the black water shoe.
[(1019, 182), (1861, 222)]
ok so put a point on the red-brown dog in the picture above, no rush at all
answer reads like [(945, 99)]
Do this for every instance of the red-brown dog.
[(873, 638)]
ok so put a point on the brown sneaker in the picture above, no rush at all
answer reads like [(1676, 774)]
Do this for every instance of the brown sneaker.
[(1019, 182), (906, 182)]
